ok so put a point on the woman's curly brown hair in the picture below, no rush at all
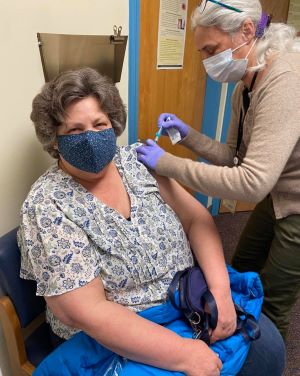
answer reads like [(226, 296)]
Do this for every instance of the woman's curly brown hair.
[(48, 107)]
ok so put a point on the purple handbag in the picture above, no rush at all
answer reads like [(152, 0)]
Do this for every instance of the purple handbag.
[(199, 307), (193, 296)]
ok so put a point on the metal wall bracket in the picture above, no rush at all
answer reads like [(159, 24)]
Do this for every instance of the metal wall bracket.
[(117, 38)]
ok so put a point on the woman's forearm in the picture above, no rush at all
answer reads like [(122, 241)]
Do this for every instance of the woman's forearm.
[(207, 247), (130, 335), (134, 337), (120, 329), (209, 149)]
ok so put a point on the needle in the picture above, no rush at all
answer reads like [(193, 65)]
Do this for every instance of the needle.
[(158, 134)]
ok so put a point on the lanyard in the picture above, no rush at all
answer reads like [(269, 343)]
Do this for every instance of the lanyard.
[(246, 104)]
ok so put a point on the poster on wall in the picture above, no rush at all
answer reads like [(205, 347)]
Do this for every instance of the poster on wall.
[(171, 34)]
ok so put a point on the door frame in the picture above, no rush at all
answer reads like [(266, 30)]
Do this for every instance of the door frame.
[(133, 69)]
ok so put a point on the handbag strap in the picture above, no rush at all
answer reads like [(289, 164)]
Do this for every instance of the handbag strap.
[(213, 310), (209, 320), (246, 324), (173, 286)]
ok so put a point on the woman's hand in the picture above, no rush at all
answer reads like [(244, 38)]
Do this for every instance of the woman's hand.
[(167, 121), (199, 359), (226, 315)]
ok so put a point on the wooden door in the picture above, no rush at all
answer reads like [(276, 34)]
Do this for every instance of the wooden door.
[(278, 9), (179, 91)]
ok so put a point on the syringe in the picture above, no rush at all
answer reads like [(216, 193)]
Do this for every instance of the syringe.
[(159, 132)]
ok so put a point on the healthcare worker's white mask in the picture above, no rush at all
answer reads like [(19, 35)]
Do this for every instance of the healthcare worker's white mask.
[(223, 68)]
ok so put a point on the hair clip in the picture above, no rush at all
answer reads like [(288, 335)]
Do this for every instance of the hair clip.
[(263, 23)]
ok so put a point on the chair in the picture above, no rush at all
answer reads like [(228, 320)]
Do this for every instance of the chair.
[(22, 314)]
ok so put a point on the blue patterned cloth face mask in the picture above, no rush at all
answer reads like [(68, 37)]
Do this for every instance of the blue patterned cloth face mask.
[(88, 151)]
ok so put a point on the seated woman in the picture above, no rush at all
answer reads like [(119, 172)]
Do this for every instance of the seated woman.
[(103, 238)]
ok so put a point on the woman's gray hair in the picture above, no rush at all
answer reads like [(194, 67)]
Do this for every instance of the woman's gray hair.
[(277, 38), (48, 107)]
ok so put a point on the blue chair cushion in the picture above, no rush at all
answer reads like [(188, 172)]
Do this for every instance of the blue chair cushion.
[(23, 296), (21, 292)]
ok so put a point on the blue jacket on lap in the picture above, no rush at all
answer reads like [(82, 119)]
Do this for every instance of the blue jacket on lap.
[(82, 355)]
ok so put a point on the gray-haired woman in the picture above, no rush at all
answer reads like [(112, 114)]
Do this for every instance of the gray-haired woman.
[(260, 161)]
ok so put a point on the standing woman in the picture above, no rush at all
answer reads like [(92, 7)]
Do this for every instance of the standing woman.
[(261, 160)]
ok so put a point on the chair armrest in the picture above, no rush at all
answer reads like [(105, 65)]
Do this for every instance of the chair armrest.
[(14, 339)]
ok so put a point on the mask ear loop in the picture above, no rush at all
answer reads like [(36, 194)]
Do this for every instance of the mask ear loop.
[(236, 48), (262, 25), (253, 44)]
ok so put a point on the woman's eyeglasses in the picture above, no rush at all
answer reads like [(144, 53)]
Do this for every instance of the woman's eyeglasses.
[(202, 6)]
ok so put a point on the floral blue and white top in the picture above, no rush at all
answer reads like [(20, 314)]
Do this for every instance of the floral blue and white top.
[(68, 237)]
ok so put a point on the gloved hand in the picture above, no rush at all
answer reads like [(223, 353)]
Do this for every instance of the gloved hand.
[(149, 154), (173, 122)]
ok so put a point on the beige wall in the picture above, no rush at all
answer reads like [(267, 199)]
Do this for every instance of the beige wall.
[(22, 159)]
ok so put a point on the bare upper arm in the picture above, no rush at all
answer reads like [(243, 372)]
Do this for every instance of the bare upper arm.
[(181, 201), (74, 305)]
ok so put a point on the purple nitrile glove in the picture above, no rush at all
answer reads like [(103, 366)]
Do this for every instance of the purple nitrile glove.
[(149, 153), (166, 121)]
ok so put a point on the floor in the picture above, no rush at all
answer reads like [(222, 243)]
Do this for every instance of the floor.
[(230, 227)]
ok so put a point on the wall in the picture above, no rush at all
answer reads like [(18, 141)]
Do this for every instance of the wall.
[(22, 159), (294, 14)]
